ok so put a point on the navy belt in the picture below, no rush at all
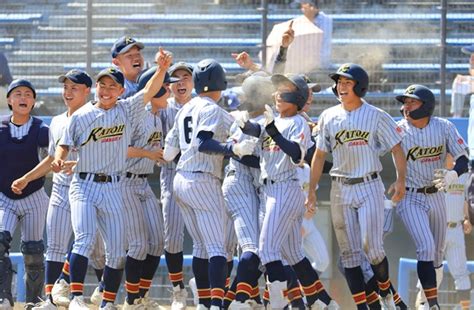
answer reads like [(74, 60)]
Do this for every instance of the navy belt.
[(133, 175), (425, 190), (98, 177), (352, 181)]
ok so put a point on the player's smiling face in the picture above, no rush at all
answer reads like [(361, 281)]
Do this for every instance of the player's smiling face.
[(22, 100), (130, 63), (75, 95), (410, 104), (345, 89), (182, 90), (285, 108), (108, 92)]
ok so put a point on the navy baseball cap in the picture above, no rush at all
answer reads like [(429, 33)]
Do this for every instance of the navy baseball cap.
[(298, 97), (18, 83), (113, 73), (468, 49), (76, 76), (124, 44), (180, 66), (146, 76)]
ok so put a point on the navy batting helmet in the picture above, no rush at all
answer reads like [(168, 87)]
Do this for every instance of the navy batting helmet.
[(208, 75), (422, 93), (17, 83), (297, 97), (146, 76), (353, 72)]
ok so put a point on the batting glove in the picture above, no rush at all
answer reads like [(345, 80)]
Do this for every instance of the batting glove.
[(245, 147), (443, 178), (269, 115), (241, 118)]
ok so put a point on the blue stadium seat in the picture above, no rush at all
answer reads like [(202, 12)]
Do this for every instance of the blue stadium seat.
[(19, 18), (252, 18)]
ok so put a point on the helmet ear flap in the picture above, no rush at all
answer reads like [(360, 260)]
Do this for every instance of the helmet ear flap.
[(334, 89)]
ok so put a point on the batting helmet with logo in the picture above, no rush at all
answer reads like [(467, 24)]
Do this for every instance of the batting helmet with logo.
[(353, 72), (208, 75), (422, 93)]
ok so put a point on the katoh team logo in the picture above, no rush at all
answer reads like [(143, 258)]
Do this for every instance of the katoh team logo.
[(425, 154), (270, 145), (105, 134), (352, 137), (155, 139)]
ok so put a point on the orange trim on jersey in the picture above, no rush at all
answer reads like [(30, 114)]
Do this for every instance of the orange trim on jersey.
[(204, 293), (373, 297), (176, 277), (48, 288), (359, 298), (145, 284), (244, 288), (109, 296), (384, 285), (229, 295), (133, 288), (76, 287), (217, 293), (431, 293)]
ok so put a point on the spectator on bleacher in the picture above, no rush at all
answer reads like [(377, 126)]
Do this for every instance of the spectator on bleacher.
[(312, 11), (128, 58), (5, 80), (463, 85)]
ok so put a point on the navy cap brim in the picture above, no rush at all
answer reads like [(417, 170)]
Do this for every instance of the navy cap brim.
[(140, 45), (63, 78), (400, 98), (101, 75), (335, 76), (315, 87), (173, 80), (183, 66)]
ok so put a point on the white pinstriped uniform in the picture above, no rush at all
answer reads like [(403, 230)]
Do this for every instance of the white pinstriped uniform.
[(143, 212), (197, 181), (424, 216), (240, 190), (58, 218), (30, 211), (313, 242), (356, 140), (172, 218), (102, 138), (455, 251), (280, 236)]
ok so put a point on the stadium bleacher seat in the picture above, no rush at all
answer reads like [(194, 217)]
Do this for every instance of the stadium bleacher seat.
[(19, 18), (252, 18)]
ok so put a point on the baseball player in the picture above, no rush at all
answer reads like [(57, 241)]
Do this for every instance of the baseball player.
[(128, 58), (426, 142), (285, 140), (357, 133), (455, 249), (143, 212), (102, 128), (241, 194), (200, 138), (172, 218), (76, 90), (22, 139)]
